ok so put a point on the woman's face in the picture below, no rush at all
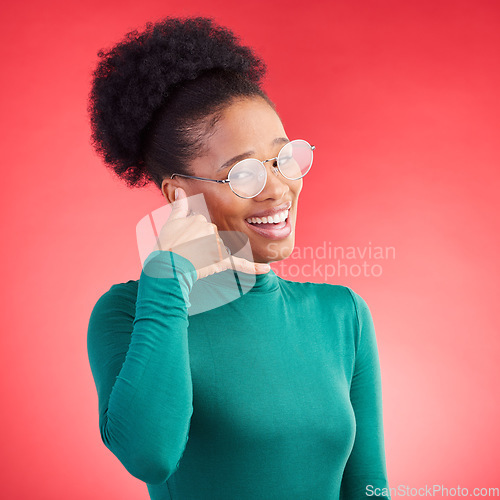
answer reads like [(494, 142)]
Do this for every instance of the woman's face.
[(247, 125)]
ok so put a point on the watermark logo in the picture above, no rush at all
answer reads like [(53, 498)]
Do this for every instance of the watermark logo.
[(211, 291)]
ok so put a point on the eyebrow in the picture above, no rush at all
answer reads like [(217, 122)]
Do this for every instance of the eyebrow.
[(247, 154)]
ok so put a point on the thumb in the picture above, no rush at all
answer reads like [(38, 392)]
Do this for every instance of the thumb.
[(180, 207)]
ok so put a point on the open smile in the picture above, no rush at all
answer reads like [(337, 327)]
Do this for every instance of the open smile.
[(274, 227)]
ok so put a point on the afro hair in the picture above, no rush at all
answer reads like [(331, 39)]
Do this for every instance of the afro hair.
[(134, 79)]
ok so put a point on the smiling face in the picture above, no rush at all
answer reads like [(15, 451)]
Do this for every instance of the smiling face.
[(248, 125)]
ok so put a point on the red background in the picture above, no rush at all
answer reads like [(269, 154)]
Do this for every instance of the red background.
[(401, 99)]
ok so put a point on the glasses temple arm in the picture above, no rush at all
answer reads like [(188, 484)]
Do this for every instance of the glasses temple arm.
[(200, 178)]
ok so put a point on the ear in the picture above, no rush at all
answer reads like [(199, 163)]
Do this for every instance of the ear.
[(167, 190)]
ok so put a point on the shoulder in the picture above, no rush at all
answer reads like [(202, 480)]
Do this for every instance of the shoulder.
[(120, 292), (338, 298), (118, 302), (111, 323)]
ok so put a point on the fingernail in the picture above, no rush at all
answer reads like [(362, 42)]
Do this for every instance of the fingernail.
[(175, 193)]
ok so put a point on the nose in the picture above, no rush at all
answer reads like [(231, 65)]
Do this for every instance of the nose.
[(276, 185)]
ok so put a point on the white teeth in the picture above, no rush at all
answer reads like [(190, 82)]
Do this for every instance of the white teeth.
[(279, 217)]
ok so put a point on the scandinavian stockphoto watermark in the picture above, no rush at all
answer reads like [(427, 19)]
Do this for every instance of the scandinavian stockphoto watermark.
[(433, 490), (321, 261), (326, 261)]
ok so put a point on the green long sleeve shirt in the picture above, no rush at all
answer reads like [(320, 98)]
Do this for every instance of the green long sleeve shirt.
[(275, 394)]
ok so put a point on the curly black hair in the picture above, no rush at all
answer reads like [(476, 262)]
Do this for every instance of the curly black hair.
[(156, 94)]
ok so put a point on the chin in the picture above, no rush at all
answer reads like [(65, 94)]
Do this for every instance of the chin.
[(279, 250), (262, 251)]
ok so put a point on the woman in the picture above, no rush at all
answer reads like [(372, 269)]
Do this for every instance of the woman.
[(274, 393)]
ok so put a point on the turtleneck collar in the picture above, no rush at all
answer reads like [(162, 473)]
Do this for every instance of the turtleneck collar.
[(245, 282), (224, 288), (258, 283)]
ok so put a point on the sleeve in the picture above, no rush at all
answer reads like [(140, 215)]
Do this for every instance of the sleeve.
[(365, 473), (140, 365)]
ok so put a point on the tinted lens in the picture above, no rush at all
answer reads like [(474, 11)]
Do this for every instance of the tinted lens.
[(295, 159), (247, 178)]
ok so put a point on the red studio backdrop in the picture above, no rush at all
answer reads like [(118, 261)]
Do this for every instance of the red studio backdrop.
[(401, 99)]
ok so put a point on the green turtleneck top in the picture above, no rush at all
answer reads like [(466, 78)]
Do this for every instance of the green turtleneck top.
[(238, 387)]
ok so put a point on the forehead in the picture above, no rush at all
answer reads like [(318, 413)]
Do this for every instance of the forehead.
[(246, 124)]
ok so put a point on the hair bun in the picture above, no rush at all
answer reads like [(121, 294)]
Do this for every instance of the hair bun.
[(134, 78)]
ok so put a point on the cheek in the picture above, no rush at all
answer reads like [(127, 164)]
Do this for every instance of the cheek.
[(226, 212), (299, 186)]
